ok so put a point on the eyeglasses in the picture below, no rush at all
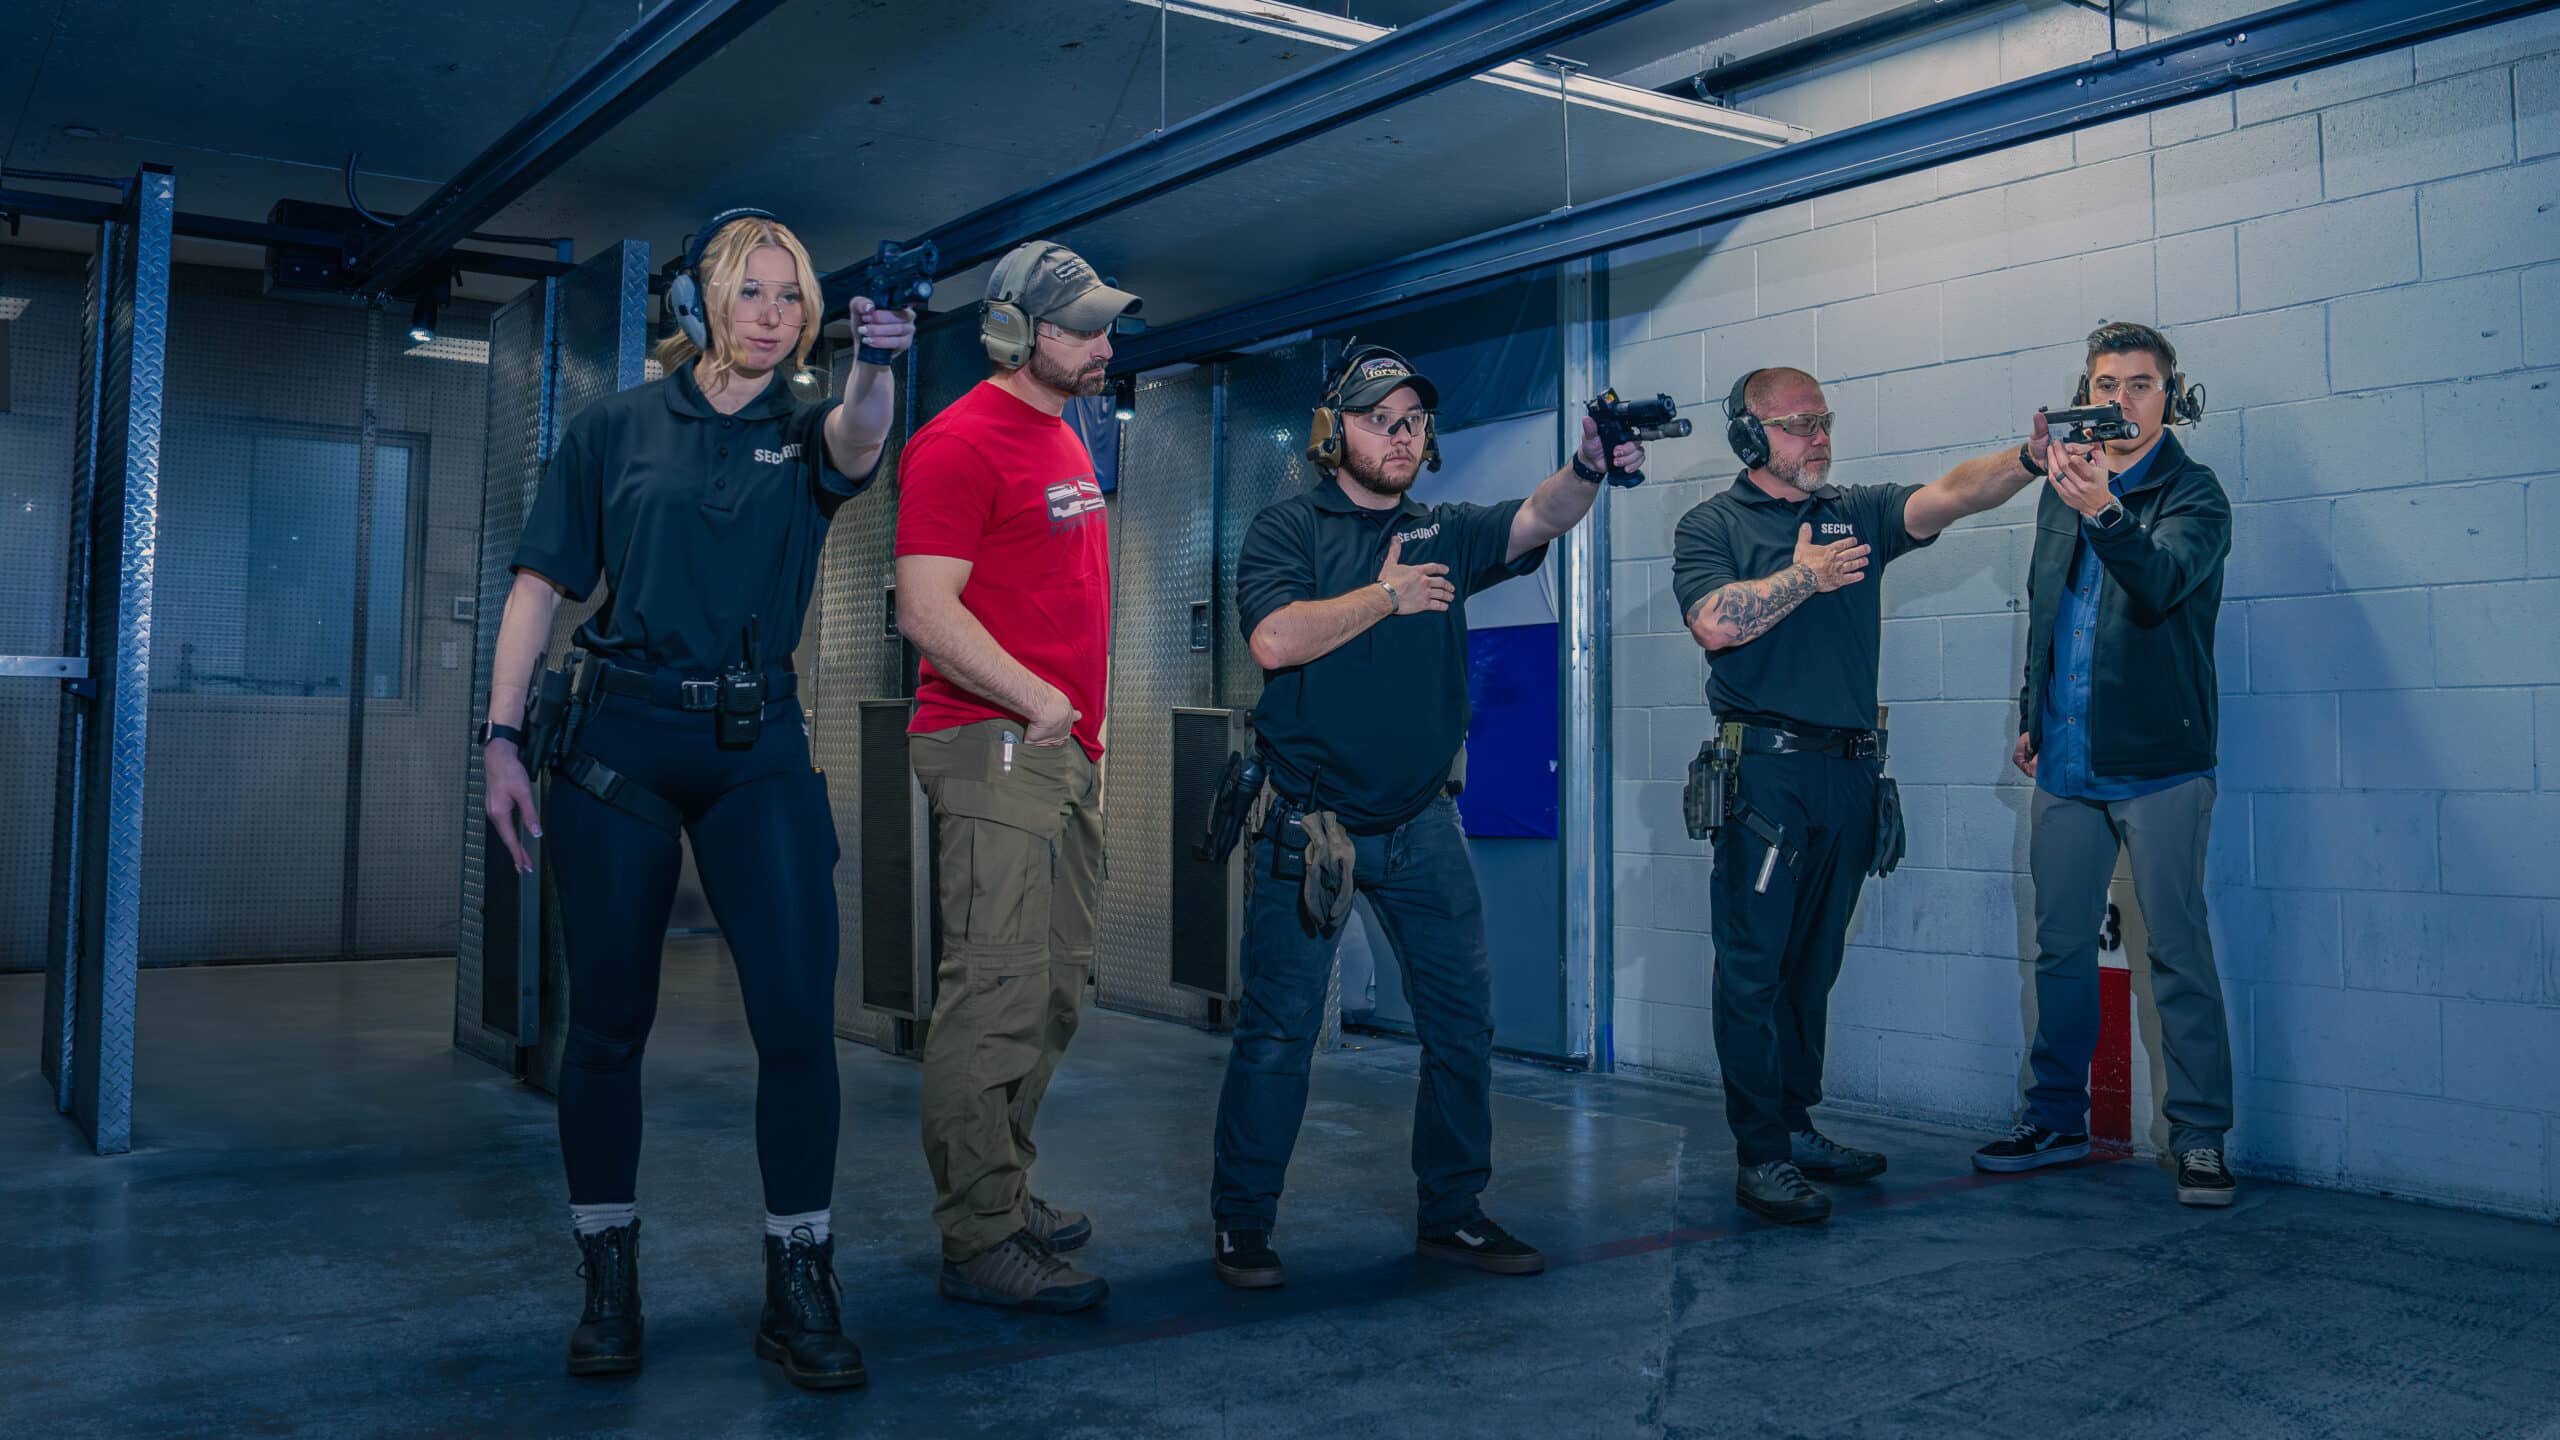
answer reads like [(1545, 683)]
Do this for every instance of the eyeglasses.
[(2142, 388), (1083, 338), (1411, 422), (785, 306), (1804, 424)]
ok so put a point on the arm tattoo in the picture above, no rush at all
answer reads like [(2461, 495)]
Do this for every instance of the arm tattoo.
[(1748, 608)]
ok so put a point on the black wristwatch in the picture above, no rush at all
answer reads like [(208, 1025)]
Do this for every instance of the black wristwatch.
[(2027, 459), (1585, 473), (492, 730)]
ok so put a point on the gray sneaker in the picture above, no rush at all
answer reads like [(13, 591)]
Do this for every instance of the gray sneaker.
[(1060, 1230), (1779, 1191), (1023, 1274), (1823, 1158)]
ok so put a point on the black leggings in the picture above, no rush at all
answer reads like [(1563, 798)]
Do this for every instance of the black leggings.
[(764, 843)]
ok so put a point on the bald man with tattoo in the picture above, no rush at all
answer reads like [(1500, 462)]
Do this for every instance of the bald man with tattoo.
[(1777, 578)]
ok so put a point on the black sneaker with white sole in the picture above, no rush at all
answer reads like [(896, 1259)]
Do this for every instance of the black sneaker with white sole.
[(1822, 1158), (2204, 1180), (1484, 1245), (2030, 1147), (1247, 1261)]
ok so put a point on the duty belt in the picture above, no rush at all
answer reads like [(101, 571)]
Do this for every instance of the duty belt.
[(1845, 744), (675, 692)]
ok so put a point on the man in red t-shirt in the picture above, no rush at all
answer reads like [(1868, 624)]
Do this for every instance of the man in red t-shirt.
[(1004, 585)]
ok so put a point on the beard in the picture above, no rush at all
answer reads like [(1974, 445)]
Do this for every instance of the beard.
[(1805, 476), (1089, 381), (1379, 477)]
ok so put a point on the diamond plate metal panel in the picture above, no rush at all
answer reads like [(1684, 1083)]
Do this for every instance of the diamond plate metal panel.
[(1166, 523), (859, 658), (518, 442), (128, 500), (1269, 397)]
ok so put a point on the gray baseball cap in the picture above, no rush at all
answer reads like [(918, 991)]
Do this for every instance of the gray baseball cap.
[(1053, 283)]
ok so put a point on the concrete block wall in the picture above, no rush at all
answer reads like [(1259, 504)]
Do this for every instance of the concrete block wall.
[(2363, 266)]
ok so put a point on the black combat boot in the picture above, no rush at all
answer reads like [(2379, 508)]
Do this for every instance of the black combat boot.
[(803, 1324), (607, 1340)]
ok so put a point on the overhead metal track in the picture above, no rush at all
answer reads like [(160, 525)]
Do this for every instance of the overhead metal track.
[(38, 205), (1437, 51), (1717, 84), (636, 68), (2263, 46)]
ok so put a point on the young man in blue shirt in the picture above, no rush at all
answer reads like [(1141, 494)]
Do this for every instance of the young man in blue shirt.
[(2117, 725)]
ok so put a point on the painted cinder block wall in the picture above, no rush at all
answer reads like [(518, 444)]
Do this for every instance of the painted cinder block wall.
[(2363, 266)]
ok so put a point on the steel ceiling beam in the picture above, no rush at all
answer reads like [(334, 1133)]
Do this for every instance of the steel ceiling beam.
[(1434, 52), (80, 209), (640, 64), (2259, 47)]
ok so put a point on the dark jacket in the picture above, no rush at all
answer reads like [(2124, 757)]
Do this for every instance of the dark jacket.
[(2152, 708)]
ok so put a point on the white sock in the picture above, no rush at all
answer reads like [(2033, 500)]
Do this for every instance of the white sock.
[(595, 1219), (781, 1226)]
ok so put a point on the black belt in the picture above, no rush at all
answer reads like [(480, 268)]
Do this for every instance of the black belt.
[(671, 691), (1844, 744)]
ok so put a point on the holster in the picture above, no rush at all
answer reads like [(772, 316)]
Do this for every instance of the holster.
[(1715, 782), (1891, 839), (1239, 787)]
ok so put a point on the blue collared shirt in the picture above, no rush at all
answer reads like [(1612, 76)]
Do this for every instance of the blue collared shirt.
[(2062, 760)]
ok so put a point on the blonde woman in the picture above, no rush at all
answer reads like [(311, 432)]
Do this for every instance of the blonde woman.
[(701, 502)]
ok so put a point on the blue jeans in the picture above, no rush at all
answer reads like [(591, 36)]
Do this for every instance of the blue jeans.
[(1422, 888)]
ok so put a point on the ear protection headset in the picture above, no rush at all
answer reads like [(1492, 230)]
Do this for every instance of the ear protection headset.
[(1742, 429), (1324, 431), (684, 291), (1008, 334), (2186, 402)]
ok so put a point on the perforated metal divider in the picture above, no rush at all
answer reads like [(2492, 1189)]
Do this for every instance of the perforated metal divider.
[(41, 306), (1164, 565), (520, 437)]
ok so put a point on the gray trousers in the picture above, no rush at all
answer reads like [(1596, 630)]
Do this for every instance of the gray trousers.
[(2072, 856)]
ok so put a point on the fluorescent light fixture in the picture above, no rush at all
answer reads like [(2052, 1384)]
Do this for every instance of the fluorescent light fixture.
[(448, 347), (1314, 27)]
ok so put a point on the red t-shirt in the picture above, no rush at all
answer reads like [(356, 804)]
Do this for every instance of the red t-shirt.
[(1011, 490)]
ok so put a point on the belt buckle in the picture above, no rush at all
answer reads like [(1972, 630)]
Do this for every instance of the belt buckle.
[(698, 694), (1864, 746)]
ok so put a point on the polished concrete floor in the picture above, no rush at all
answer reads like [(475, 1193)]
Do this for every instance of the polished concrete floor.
[(335, 1225)]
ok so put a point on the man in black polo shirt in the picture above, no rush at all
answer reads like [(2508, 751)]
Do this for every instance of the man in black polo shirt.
[(1773, 578), (1353, 599)]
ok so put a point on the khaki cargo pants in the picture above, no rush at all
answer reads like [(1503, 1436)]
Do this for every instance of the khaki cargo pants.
[(1018, 835)]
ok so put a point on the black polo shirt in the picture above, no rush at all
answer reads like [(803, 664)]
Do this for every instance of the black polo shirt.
[(1817, 667), (1369, 730), (694, 520)]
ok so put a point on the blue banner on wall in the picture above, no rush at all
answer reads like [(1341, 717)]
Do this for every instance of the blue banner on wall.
[(1512, 773)]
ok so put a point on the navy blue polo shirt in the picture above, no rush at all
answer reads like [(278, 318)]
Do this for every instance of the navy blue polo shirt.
[(697, 522), (1370, 730), (1817, 667)]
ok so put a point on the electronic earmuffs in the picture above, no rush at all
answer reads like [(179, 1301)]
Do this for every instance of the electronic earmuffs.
[(1742, 429), (684, 290), (1324, 431), (1008, 334), (2186, 402)]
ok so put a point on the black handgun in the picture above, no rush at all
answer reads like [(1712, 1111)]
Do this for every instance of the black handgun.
[(1642, 421), (2092, 423), (898, 278)]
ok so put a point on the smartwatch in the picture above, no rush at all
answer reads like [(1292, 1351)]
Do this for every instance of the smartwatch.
[(2109, 517), (492, 730)]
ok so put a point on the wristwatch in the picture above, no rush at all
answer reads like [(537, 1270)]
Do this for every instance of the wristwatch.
[(1395, 605), (2027, 459), (492, 730), (1585, 473), (2110, 516)]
